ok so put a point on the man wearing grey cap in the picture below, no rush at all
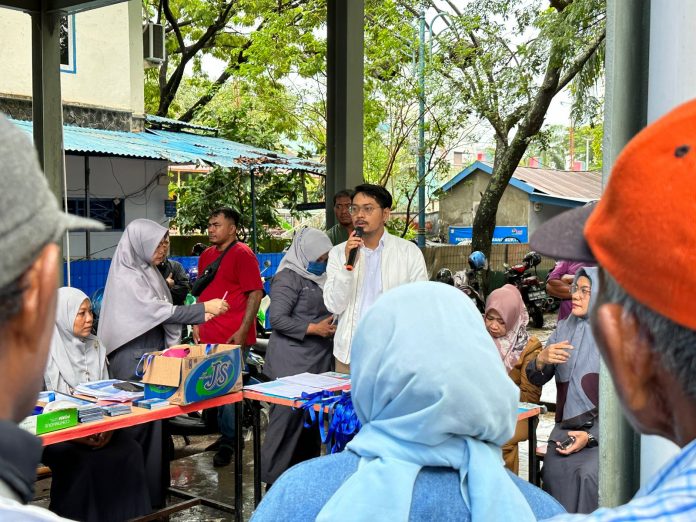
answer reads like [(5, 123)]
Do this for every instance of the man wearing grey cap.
[(30, 225)]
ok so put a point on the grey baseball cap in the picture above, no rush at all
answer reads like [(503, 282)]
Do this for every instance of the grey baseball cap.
[(562, 236), (30, 217)]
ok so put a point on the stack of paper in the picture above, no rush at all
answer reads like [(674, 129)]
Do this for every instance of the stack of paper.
[(105, 390), (293, 386)]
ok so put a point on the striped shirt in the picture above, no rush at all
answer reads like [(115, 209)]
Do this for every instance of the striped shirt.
[(670, 496)]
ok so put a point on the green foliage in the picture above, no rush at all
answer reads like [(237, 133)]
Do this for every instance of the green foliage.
[(552, 146), (396, 226), (232, 187)]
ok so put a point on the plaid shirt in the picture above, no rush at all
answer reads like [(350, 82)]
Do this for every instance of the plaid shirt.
[(670, 496)]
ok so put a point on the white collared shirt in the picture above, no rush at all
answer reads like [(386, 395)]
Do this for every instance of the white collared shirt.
[(398, 261), (372, 281)]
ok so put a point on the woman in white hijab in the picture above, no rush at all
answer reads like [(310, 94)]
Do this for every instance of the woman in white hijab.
[(92, 476), (137, 314), (76, 354), (301, 342), (435, 404)]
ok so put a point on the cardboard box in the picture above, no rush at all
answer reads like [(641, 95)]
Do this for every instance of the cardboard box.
[(51, 421), (208, 371)]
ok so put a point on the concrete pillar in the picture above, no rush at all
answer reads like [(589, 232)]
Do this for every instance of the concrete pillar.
[(624, 115), (47, 106), (672, 81), (46, 97), (344, 96)]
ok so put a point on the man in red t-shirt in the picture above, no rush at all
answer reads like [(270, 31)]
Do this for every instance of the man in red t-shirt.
[(238, 281)]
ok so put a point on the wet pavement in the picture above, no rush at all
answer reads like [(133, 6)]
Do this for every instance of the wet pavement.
[(192, 470)]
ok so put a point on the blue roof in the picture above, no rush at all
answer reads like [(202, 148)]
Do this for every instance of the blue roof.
[(488, 169), (555, 187), (176, 147)]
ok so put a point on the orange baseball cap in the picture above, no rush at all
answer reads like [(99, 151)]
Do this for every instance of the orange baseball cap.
[(649, 205)]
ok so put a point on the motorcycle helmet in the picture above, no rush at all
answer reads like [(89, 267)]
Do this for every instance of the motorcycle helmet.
[(96, 299), (445, 276), (477, 261), (532, 259)]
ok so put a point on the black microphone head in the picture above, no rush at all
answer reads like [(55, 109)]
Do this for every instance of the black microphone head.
[(358, 231)]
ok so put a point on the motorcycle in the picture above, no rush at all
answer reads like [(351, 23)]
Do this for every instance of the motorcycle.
[(467, 280), (531, 288)]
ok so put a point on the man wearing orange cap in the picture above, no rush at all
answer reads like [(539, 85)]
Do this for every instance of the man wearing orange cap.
[(646, 328)]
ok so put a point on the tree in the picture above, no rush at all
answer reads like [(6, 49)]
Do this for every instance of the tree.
[(510, 58), (392, 114), (552, 146), (243, 35), (232, 187)]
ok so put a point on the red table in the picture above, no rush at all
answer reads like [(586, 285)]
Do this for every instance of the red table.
[(142, 416), (522, 413)]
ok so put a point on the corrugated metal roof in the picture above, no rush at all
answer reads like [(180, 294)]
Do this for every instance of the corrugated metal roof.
[(562, 183), (571, 185), (175, 147), (228, 153)]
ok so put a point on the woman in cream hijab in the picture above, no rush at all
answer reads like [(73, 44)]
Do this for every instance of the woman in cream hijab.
[(91, 476)]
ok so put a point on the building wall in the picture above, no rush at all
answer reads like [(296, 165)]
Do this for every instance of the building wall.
[(117, 178), (546, 212), (456, 206), (108, 58)]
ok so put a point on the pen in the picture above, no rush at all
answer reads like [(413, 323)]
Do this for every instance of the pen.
[(223, 297)]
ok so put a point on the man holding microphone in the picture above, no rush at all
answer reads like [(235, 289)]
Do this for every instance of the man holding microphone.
[(372, 261)]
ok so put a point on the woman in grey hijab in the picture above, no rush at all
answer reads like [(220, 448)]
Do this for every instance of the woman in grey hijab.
[(91, 476), (571, 465), (301, 342), (137, 315)]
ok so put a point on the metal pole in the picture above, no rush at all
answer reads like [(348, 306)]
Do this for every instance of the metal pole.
[(421, 131), (344, 98), (88, 238), (254, 245), (625, 113)]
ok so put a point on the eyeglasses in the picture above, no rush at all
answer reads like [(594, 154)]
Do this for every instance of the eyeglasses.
[(342, 206), (367, 209), (584, 290), (163, 244)]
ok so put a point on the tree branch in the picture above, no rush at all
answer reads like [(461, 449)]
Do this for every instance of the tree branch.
[(578, 63), (560, 5)]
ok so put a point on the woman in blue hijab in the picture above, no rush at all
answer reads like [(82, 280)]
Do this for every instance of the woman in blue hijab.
[(435, 404)]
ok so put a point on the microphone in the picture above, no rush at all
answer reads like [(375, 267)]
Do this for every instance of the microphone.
[(353, 253)]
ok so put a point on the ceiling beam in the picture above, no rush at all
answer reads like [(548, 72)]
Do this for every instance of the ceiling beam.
[(56, 6)]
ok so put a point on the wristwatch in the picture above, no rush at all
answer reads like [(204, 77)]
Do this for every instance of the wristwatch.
[(591, 441)]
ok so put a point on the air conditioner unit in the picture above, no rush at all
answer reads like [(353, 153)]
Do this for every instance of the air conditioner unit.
[(153, 43)]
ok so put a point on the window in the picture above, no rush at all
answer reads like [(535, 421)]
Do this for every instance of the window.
[(107, 211), (67, 44), (458, 157)]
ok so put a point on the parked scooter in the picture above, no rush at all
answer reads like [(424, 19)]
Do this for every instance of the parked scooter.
[(530, 286), (468, 281)]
